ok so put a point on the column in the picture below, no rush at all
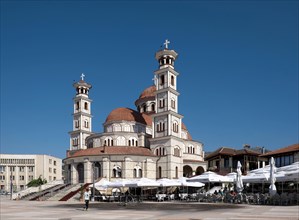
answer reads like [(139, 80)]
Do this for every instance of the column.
[(87, 171), (74, 174)]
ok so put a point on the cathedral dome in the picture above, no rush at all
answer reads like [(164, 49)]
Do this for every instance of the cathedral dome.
[(146, 95), (127, 114), (148, 92)]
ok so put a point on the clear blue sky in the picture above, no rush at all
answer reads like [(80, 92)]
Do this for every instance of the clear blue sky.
[(238, 65)]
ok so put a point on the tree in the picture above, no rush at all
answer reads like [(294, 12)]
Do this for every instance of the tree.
[(37, 182)]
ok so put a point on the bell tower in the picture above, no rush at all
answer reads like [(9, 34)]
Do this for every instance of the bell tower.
[(166, 121), (81, 116)]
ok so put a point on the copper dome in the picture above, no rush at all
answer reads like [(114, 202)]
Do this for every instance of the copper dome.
[(127, 114)]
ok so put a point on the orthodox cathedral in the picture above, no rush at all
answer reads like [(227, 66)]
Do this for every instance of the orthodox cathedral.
[(150, 142)]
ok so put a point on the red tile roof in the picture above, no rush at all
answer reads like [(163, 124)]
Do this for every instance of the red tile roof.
[(230, 152), (288, 149), (119, 150), (127, 114)]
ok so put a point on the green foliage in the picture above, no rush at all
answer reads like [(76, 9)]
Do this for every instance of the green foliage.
[(81, 191), (37, 182)]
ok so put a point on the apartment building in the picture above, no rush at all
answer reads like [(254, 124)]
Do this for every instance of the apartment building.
[(20, 169)]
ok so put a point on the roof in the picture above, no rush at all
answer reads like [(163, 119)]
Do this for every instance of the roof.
[(148, 92), (119, 150), (231, 152), (288, 149), (146, 95), (127, 114)]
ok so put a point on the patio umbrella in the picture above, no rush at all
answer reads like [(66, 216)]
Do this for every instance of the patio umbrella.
[(239, 182), (272, 188)]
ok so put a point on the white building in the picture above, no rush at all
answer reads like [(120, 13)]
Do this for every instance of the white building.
[(23, 168), (151, 142)]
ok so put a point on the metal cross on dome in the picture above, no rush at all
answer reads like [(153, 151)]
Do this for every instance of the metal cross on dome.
[(166, 43), (82, 76)]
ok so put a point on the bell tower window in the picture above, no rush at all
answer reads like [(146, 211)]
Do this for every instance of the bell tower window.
[(162, 80), (77, 105), (86, 106), (172, 80)]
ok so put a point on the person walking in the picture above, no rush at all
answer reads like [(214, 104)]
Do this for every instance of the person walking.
[(86, 198)]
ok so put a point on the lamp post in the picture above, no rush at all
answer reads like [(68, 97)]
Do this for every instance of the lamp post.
[(11, 185), (93, 179)]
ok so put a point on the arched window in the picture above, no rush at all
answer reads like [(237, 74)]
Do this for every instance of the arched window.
[(173, 103), (157, 152), (137, 172), (77, 123), (162, 80), (108, 141), (176, 152), (172, 80), (77, 105), (116, 172), (86, 106), (86, 125), (144, 108), (153, 107), (129, 142)]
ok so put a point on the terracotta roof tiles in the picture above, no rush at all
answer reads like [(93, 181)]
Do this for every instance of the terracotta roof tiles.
[(119, 150), (288, 149)]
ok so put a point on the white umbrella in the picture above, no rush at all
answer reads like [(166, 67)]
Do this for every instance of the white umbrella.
[(142, 182), (239, 182), (272, 188), (183, 181), (168, 182), (210, 177)]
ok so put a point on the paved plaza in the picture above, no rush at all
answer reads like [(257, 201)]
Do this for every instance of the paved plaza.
[(48, 210)]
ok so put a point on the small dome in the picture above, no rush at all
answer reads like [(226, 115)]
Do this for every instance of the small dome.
[(146, 95), (127, 114), (148, 92)]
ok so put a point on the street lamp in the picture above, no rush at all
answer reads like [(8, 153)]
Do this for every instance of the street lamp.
[(11, 185), (93, 179)]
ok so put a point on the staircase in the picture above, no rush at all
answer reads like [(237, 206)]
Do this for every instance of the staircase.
[(61, 193), (74, 192)]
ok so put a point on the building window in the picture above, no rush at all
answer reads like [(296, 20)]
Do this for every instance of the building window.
[(162, 80), (2, 177), (22, 169), (137, 172), (77, 105), (54, 162), (21, 178), (75, 141), (144, 108), (176, 152), (54, 171), (12, 169), (50, 161), (173, 103), (172, 80), (153, 107), (2, 168), (30, 169), (176, 172), (77, 123), (160, 172), (86, 125), (86, 106), (175, 127), (50, 170), (161, 103), (30, 177), (160, 127), (117, 172)]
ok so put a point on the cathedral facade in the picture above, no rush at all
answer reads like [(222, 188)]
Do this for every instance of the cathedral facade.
[(150, 142)]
